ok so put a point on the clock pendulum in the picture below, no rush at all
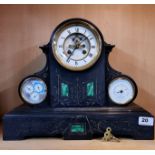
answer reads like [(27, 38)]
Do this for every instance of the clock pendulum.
[(78, 95)]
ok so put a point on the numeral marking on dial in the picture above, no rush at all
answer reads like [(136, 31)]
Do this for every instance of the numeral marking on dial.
[(84, 32), (91, 38), (92, 46), (76, 63), (60, 46), (77, 30), (69, 31), (68, 60), (90, 54)]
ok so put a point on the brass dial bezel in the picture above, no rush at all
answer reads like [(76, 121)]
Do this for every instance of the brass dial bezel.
[(77, 22)]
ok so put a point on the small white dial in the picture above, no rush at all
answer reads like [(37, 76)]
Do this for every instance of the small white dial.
[(77, 45), (33, 90), (121, 90)]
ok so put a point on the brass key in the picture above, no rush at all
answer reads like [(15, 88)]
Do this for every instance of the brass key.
[(115, 139), (108, 136)]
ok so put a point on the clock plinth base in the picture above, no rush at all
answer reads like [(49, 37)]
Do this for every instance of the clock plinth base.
[(76, 123)]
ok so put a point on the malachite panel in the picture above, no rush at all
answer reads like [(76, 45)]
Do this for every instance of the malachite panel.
[(76, 128), (64, 90), (90, 89)]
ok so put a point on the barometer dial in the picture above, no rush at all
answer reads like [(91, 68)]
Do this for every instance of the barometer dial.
[(76, 45), (122, 90), (33, 90)]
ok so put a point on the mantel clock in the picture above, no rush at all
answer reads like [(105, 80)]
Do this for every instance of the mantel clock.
[(77, 95)]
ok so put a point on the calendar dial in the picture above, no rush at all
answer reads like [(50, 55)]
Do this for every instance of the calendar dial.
[(33, 90)]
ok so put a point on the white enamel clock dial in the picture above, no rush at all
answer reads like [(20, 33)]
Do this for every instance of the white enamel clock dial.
[(33, 90), (121, 90), (76, 46)]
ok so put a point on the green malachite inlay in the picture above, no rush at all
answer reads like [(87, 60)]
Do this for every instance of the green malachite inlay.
[(77, 128), (64, 89), (90, 89)]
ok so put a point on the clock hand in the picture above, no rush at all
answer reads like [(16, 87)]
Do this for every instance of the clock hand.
[(71, 54), (83, 40), (77, 45), (121, 91)]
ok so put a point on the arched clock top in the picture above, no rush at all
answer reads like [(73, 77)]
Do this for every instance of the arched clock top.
[(76, 22)]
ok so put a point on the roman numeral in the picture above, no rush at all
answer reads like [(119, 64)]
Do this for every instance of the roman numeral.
[(90, 54), (92, 46), (91, 38), (76, 63), (68, 60), (60, 46), (69, 31), (77, 30)]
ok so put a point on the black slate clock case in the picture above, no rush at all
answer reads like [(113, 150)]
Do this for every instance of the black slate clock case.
[(76, 116)]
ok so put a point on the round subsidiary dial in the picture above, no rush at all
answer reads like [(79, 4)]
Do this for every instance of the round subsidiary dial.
[(33, 90), (76, 45), (28, 89), (121, 90), (38, 87), (34, 97)]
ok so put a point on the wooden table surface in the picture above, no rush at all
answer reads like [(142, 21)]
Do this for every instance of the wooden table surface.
[(59, 144)]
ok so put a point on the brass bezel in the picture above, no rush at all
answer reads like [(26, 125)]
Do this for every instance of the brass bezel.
[(77, 22)]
